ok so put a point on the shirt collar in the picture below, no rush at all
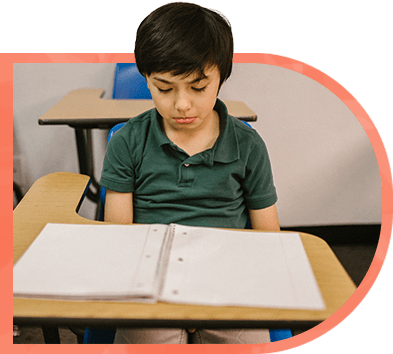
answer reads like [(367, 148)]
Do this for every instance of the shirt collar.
[(158, 132), (226, 148)]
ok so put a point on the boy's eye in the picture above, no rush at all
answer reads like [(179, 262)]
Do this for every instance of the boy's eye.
[(163, 91), (199, 89), (194, 88)]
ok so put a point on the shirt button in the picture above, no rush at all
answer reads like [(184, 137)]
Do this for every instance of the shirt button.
[(186, 164)]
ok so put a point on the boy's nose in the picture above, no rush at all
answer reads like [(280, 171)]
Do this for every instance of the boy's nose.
[(183, 102)]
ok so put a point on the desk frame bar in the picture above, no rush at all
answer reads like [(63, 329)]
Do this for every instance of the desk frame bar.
[(86, 162), (157, 323)]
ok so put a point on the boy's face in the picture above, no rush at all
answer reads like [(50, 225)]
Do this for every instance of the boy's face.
[(185, 103)]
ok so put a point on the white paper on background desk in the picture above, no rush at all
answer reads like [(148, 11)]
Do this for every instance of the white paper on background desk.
[(222, 267)]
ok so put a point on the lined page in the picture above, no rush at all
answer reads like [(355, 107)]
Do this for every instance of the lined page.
[(222, 267), (88, 262)]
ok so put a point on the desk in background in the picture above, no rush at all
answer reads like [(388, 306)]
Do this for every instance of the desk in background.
[(56, 198)]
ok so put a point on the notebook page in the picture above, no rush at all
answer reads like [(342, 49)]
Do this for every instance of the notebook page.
[(222, 267), (82, 261), (147, 281)]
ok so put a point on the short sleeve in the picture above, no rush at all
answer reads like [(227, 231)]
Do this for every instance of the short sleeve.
[(118, 173), (258, 187)]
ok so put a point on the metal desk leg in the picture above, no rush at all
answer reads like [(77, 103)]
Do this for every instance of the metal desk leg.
[(51, 335), (85, 157)]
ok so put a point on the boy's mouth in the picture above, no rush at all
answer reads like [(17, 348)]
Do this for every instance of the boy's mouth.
[(184, 120)]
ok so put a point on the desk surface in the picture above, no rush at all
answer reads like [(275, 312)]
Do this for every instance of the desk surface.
[(86, 108), (47, 202)]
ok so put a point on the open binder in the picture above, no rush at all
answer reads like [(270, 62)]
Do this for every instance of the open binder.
[(169, 263)]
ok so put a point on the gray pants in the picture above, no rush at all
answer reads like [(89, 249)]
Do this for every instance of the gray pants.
[(182, 336)]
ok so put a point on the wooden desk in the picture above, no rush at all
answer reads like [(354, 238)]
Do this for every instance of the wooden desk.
[(85, 109), (55, 199)]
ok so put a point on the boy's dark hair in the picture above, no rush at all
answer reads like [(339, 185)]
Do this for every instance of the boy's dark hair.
[(184, 38)]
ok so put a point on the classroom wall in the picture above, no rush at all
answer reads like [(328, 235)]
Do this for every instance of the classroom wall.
[(324, 166)]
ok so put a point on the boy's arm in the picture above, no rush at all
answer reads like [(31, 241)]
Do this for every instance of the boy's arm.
[(118, 207), (265, 219)]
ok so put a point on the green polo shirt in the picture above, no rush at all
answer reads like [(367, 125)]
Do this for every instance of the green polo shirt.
[(213, 188)]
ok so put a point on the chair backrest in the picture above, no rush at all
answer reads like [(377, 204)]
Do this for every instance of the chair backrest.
[(112, 131), (129, 83)]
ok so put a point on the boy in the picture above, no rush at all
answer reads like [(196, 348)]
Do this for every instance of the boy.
[(187, 161)]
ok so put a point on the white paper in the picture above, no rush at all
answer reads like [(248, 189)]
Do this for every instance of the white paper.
[(181, 264), (88, 261), (221, 267)]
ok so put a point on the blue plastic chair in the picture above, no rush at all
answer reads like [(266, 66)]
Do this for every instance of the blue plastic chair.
[(106, 336), (103, 189), (129, 83)]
